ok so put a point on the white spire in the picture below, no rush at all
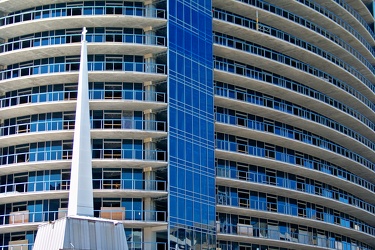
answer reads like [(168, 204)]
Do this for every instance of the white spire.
[(81, 193)]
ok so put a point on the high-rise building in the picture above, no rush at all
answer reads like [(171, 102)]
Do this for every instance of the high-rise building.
[(223, 124)]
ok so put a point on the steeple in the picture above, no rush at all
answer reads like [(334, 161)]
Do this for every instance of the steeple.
[(81, 193)]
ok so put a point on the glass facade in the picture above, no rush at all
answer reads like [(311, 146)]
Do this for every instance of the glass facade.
[(191, 125), (223, 124)]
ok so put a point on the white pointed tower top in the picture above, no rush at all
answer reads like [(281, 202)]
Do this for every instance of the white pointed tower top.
[(81, 193)]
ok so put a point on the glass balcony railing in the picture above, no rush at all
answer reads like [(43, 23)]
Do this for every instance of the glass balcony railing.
[(330, 169), (17, 247), (74, 67), (44, 126), (290, 108), (294, 210), (64, 185), (35, 186), (305, 161), (307, 238), (300, 112), (53, 155), (251, 24), (354, 13), (292, 85), (74, 38), (113, 213), (296, 186), (310, 25), (297, 135), (74, 11), (132, 245), (132, 184), (55, 96)]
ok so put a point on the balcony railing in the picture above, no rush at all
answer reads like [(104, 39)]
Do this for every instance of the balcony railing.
[(293, 237), (123, 124), (113, 213), (301, 136), (254, 177), (81, 11), (56, 185), (132, 184), (55, 96), (120, 154), (74, 67), (35, 186), (298, 111), (76, 38), (132, 245), (121, 213), (294, 210)]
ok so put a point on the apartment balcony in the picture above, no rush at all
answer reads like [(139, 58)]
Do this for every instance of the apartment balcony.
[(286, 42), (64, 129), (111, 188), (275, 237), (77, 16), (301, 216), (277, 109), (294, 24), (54, 101), (69, 45), (111, 158), (38, 75), (298, 190), (28, 220)]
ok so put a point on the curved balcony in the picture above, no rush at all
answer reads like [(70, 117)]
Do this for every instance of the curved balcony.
[(79, 16), (298, 164), (299, 141), (136, 100), (27, 220), (297, 190), (285, 20), (295, 115), (61, 159), (282, 153), (35, 190), (245, 53), (67, 45), (273, 38), (330, 19), (63, 130), (291, 240), (350, 13), (45, 74), (323, 221)]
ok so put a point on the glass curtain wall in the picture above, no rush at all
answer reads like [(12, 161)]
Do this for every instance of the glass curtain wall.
[(191, 130)]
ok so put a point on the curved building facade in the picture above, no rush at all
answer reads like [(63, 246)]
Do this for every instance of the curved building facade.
[(223, 124)]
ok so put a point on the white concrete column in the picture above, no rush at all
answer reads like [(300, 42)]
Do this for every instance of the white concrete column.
[(149, 118), (150, 36), (149, 205), (149, 147), (150, 91), (150, 8), (150, 63)]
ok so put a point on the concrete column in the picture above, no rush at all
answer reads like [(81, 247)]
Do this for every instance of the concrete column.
[(150, 147), (149, 205), (149, 117), (150, 36), (150, 91), (150, 63), (150, 8), (149, 236)]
